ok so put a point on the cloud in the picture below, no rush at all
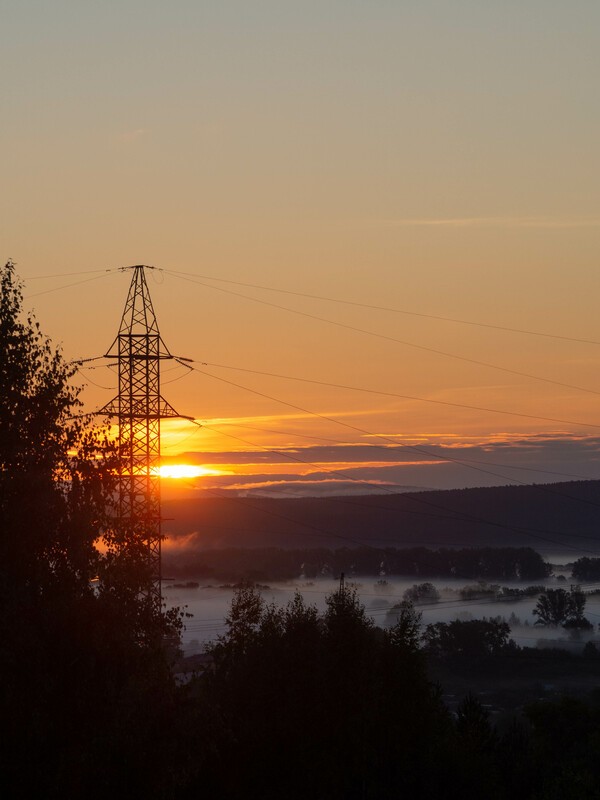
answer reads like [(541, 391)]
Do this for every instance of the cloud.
[(319, 488), (132, 135), (494, 222), (356, 468)]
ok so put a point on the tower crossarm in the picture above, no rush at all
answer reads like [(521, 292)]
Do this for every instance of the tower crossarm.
[(139, 407)]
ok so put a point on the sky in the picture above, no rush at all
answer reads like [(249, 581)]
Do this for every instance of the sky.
[(438, 159)]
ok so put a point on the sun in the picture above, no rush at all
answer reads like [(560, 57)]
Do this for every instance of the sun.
[(185, 471)]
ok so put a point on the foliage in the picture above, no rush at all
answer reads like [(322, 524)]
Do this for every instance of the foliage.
[(561, 607), (422, 593), (586, 569), (54, 475), (479, 591), (477, 745), (85, 677), (324, 705), (566, 734), (475, 638), (406, 629)]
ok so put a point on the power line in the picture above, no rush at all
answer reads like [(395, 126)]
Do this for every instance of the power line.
[(457, 514), (420, 450), (387, 449), (370, 333), (383, 488), (68, 285), (68, 274), (466, 461), (387, 308), (92, 381), (391, 338), (337, 300), (381, 393), (397, 395)]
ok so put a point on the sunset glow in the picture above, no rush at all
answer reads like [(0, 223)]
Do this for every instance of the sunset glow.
[(329, 299), (186, 471)]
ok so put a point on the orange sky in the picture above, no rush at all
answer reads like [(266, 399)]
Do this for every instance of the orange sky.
[(430, 157)]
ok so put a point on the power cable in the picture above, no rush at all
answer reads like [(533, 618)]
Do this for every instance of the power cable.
[(468, 517), (457, 514), (397, 395), (67, 286), (81, 370), (387, 449), (413, 448), (391, 338), (68, 274), (387, 308)]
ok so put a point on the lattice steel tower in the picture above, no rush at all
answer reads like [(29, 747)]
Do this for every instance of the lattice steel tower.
[(139, 407)]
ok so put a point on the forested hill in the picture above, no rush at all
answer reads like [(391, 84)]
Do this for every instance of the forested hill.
[(552, 518)]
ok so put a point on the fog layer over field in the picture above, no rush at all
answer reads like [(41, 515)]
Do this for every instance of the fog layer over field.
[(209, 604)]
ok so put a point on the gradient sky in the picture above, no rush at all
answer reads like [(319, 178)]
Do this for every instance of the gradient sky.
[(435, 157)]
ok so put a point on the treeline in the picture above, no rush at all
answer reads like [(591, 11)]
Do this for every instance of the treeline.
[(272, 564), (586, 569)]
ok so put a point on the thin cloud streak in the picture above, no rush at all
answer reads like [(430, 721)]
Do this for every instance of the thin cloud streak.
[(493, 222), (131, 135)]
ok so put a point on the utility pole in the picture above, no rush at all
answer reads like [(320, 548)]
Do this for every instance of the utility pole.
[(139, 407)]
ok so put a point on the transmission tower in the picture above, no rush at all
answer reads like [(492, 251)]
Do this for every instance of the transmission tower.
[(139, 408)]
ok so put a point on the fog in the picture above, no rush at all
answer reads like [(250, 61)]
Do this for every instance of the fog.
[(209, 603)]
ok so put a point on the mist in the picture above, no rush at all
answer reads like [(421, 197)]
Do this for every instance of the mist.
[(208, 602)]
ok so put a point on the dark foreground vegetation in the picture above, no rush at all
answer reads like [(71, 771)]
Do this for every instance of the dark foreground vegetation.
[(290, 703)]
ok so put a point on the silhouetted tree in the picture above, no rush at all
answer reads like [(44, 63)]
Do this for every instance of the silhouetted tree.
[(586, 569), (476, 749), (561, 607), (422, 593), (319, 705), (566, 748), (406, 629), (467, 639), (81, 657), (52, 501)]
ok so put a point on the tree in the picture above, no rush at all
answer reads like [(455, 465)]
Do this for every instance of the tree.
[(566, 735), (323, 705), (552, 607), (467, 639), (422, 593), (52, 501), (84, 675), (406, 630), (473, 722), (586, 569), (57, 484), (561, 607)]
